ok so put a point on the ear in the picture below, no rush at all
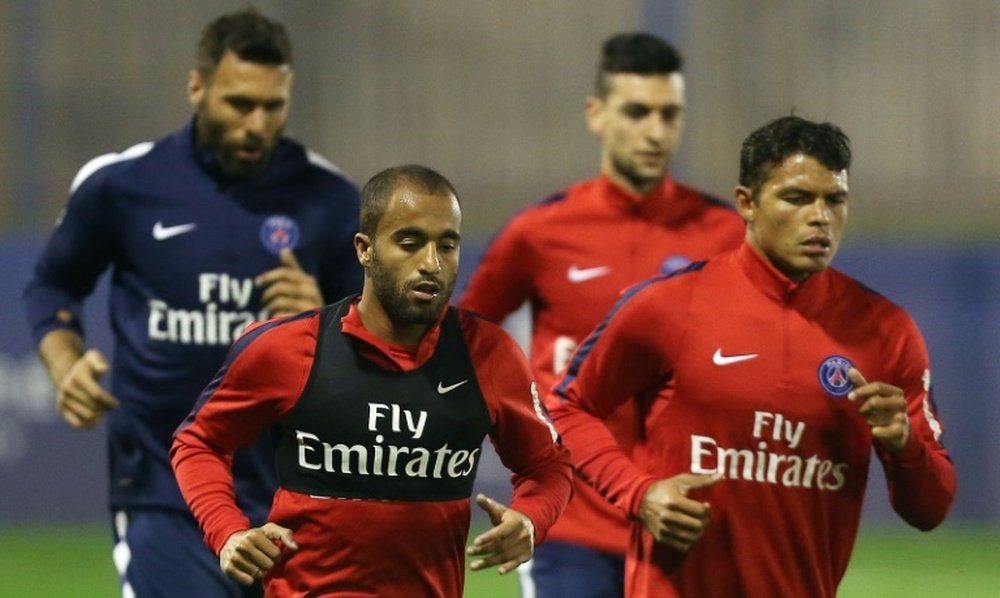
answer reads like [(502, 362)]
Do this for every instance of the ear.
[(196, 85), (363, 247), (594, 112), (744, 203)]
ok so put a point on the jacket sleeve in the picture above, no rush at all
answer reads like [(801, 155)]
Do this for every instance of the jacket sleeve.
[(340, 274), (921, 477), (522, 433), (503, 279), (78, 251), (258, 384), (622, 358)]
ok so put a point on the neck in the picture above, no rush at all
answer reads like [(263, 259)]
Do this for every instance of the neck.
[(638, 187), (377, 320)]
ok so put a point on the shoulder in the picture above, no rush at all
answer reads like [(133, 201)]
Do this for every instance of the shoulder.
[(482, 333), (277, 340), (710, 205), (300, 160), (879, 309), (99, 170)]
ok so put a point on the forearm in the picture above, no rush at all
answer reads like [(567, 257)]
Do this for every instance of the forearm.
[(542, 494), (59, 350), (922, 483), (599, 458), (206, 482)]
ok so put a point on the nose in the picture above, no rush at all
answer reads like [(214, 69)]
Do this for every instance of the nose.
[(820, 213), (430, 261), (256, 121), (656, 128)]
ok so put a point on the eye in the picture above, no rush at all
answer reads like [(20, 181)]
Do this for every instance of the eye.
[(671, 113), (241, 104), (274, 105), (635, 111), (836, 200)]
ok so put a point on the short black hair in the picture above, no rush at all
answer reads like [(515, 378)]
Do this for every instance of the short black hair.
[(379, 189), (771, 144), (638, 53), (247, 33)]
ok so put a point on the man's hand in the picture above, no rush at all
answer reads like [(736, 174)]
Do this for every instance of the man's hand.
[(884, 408), (80, 399), (288, 289), (248, 555), (510, 542), (672, 517)]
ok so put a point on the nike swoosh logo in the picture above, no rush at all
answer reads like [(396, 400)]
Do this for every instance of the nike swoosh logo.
[(442, 389), (583, 274), (162, 233), (719, 359)]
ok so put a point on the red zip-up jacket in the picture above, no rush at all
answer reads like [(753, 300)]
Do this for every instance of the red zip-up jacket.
[(570, 256), (738, 370)]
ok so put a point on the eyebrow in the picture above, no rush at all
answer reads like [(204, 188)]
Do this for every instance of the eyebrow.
[(419, 232)]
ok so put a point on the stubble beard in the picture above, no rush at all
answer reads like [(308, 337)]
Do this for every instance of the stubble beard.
[(394, 298), (212, 137)]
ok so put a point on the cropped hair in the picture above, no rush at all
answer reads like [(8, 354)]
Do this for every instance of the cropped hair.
[(247, 33), (379, 189), (638, 53), (771, 144)]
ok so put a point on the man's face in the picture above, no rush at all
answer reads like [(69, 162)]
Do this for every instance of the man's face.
[(414, 256), (798, 218), (241, 112), (640, 122)]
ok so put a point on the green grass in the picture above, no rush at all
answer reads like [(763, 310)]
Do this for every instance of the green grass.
[(73, 561)]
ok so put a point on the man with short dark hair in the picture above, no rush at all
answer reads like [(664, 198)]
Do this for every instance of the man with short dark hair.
[(379, 404), (749, 372), (570, 256), (223, 223)]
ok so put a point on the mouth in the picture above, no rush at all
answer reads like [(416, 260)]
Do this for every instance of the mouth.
[(249, 153), (817, 246), (426, 290)]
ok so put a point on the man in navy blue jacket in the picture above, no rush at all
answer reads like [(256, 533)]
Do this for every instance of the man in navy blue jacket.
[(220, 224)]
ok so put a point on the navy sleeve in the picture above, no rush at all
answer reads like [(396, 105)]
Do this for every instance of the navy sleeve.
[(78, 251), (340, 274)]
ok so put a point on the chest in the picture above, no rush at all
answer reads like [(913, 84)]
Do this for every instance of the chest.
[(583, 269), (203, 249)]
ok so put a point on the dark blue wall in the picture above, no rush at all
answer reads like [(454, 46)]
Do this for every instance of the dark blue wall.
[(49, 471)]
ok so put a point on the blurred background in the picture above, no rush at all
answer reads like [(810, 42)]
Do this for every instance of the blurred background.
[(491, 93)]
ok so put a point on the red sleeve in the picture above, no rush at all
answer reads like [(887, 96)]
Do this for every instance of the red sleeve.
[(502, 280), (623, 358), (261, 380), (921, 477), (522, 433)]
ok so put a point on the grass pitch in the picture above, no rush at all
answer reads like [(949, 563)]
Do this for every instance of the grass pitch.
[(74, 561)]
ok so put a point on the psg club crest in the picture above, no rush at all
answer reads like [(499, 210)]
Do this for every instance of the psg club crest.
[(674, 263), (833, 375), (279, 232)]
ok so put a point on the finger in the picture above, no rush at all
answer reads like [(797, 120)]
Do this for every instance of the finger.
[(495, 539), (285, 306), (302, 288), (492, 507), (675, 520), (288, 259), (282, 534), (98, 363), (691, 481), (857, 381), (95, 393)]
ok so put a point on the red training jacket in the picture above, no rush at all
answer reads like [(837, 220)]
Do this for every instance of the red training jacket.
[(570, 256), (738, 370)]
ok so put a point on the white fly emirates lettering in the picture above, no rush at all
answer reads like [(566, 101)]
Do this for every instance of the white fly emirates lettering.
[(216, 323), (386, 420), (764, 464)]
